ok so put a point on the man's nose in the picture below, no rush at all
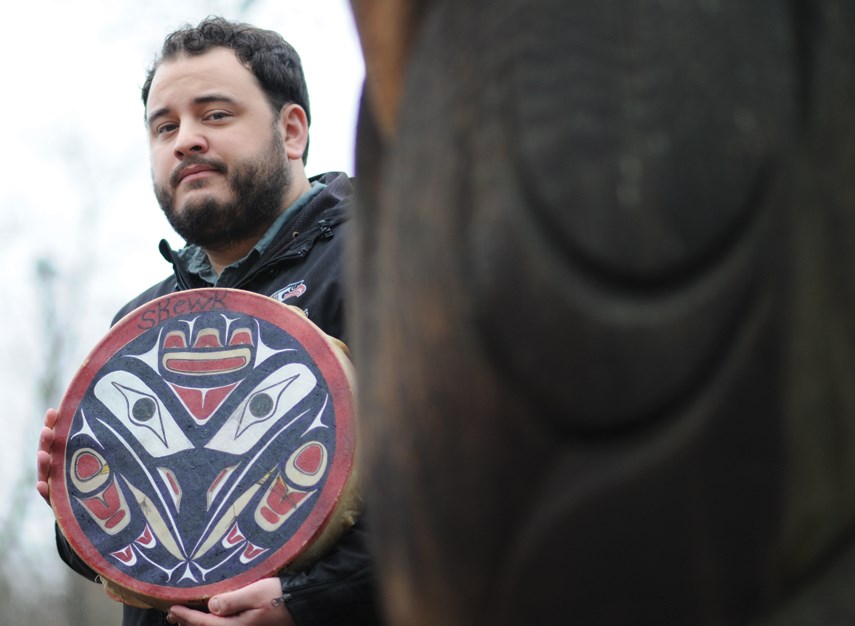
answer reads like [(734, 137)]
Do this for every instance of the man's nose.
[(189, 140)]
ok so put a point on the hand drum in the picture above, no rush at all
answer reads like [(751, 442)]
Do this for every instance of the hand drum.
[(208, 441)]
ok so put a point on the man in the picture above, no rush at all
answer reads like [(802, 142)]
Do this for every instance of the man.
[(227, 116)]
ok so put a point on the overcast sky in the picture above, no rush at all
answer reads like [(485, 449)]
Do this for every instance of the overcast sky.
[(76, 191)]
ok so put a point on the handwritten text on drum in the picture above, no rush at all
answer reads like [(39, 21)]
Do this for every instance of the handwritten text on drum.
[(170, 307)]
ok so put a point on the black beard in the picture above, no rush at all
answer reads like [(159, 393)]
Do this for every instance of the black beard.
[(258, 187)]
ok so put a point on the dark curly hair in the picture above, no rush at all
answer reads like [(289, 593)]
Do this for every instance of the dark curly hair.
[(271, 59)]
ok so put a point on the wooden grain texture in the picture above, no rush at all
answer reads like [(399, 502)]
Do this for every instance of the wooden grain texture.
[(604, 297)]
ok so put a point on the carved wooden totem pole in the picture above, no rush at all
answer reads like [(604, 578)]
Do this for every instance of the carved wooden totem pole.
[(605, 309)]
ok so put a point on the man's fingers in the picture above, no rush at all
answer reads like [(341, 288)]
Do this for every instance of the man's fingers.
[(44, 491), (187, 617), (42, 474), (46, 439), (42, 465), (257, 595), (50, 418), (252, 605)]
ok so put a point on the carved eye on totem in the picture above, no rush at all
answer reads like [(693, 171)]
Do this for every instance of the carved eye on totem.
[(263, 409), (142, 413)]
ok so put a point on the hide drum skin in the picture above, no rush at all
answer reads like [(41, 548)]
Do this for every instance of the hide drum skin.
[(208, 441)]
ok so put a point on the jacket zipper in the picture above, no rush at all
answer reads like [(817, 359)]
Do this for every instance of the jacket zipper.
[(325, 232)]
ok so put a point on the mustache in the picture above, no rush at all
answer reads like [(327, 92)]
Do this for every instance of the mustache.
[(217, 166)]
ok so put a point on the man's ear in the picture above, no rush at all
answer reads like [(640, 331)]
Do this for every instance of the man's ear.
[(295, 130)]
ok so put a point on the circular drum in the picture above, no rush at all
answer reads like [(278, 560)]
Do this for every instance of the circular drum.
[(207, 442)]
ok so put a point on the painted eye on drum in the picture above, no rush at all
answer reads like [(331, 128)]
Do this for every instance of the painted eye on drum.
[(143, 409), (261, 405), (134, 405), (271, 400)]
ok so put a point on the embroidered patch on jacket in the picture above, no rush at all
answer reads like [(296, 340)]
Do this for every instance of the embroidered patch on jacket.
[(294, 290)]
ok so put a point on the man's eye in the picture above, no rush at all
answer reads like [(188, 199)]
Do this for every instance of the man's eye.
[(165, 128), (218, 115)]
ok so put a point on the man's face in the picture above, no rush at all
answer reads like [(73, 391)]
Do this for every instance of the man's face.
[(218, 161)]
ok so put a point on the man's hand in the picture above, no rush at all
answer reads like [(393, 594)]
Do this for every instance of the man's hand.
[(43, 455), (251, 606)]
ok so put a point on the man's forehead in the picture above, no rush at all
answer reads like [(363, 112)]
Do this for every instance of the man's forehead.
[(187, 76)]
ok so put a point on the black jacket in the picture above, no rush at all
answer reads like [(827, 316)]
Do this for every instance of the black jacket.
[(302, 267)]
